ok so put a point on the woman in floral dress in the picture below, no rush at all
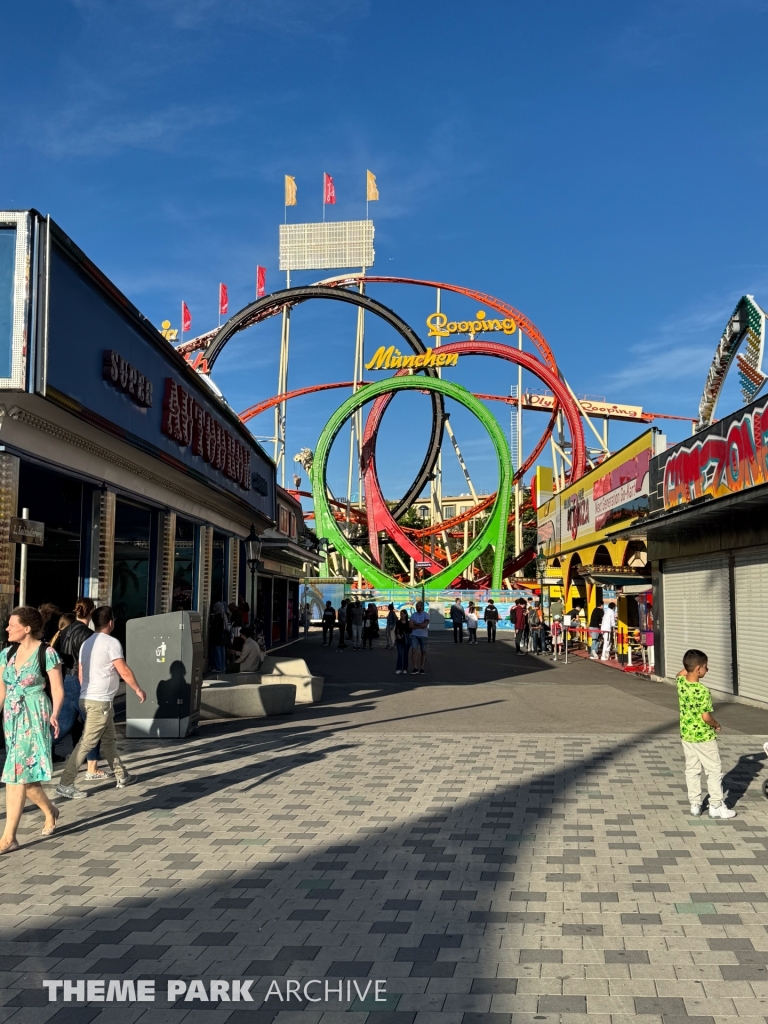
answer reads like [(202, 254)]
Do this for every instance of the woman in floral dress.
[(28, 718)]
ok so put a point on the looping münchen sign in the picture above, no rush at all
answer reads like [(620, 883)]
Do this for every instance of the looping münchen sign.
[(441, 327)]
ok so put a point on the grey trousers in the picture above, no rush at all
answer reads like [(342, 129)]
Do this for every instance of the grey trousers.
[(99, 727), (707, 756)]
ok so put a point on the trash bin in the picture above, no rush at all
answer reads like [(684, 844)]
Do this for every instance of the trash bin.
[(166, 655)]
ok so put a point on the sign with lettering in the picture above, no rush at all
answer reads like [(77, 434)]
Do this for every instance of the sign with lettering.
[(392, 359), (188, 423), (730, 456), (615, 492), (27, 531), (441, 327), (127, 378)]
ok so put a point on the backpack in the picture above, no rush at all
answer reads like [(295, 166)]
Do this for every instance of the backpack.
[(533, 618), (12, 648)]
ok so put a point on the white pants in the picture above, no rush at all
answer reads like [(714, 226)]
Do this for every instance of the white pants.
[(606, 645), (391, 636), (707, 756)]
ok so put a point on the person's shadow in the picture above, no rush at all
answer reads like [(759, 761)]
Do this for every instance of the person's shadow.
[(737, 781), (173, 696)]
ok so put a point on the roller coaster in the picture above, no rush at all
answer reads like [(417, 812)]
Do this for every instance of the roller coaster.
[(354, 532)]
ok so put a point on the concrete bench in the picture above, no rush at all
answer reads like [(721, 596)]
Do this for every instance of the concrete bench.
[(223, 698), (277, 671)]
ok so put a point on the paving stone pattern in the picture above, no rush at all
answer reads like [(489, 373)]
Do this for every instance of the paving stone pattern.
[(487, 879)]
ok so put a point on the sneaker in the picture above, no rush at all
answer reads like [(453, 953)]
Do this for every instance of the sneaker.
[(721, 812), (126, 780), (96, 776), (422, 672), (70, 792), (414, 672), (765, 747), (696, 810), (398, 671)]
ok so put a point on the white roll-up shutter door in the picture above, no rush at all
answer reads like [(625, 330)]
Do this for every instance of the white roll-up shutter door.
[(750, 587), (696, 611)]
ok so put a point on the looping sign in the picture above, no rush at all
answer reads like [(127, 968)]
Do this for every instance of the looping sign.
[(729, 457), (188, 423)]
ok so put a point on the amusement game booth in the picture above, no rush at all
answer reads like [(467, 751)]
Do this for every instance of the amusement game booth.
[(578, 534)]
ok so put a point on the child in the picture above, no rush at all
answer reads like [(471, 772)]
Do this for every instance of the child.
[(698, 729)]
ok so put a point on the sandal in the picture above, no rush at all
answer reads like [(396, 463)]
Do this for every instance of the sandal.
[(52, 829)]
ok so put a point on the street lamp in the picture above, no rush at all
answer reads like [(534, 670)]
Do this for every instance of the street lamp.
[(252, 556)]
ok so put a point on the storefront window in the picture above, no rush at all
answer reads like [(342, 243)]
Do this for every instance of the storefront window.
[(7, 264), (264, 604), (279, 609), (130, 580), (219, 569), (184, 566), (53, 571)]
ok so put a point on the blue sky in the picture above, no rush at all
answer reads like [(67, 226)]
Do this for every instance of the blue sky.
[(600, 166)]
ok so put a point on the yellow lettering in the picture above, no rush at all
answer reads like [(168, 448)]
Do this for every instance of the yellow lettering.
[(451, 327), (481, 314), (463, 327), (431, 359), (408, 361), (509, 326), (420, 360), (453, 358), (396, 362), (436, 323), (477, 326), (381, 358), (494, 325), (441, 358)]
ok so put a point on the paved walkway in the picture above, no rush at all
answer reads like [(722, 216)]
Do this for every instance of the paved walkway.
[(486, 873)]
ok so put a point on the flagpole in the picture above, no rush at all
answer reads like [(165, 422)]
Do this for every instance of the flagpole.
[(323, 198)]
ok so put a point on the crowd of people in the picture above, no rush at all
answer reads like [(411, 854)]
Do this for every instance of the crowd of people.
[(51, 686), (235, 644)]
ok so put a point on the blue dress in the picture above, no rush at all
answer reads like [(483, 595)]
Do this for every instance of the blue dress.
[(26, 719)]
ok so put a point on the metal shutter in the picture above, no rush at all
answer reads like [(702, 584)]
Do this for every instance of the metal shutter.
[(751, 585), (696, 608)]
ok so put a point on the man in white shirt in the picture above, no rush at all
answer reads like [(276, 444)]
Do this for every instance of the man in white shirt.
[(606, 628), (251, 656), (101, 667)]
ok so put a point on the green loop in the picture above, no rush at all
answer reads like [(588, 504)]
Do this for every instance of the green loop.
[(495, 530)]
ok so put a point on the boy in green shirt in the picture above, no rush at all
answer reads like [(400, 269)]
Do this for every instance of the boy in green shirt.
[(698, 729)]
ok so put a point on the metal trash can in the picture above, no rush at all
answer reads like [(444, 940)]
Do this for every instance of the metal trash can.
[(167, 657)]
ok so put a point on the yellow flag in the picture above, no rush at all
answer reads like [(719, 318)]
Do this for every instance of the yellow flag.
[(373, 192), (290, 190)]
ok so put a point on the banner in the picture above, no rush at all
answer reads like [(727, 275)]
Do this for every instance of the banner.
[(290, 190), (372, 191), (329, 191), (223, 300), (186, 318), (261, 282)]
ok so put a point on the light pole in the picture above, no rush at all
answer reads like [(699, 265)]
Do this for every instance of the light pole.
[(252, 556), (541, 566)]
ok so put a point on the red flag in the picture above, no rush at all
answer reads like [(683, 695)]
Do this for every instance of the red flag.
[(223, 300), (329, 192), (186, 318), (261, 282)]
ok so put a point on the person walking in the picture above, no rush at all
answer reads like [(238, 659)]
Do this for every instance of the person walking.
[(67, 643), (472, 623), (535, 620), (101, 667), (402, 642), (607, 626), (29, 715), (458, 618), (519, 619), (698, 733), (595, 625), (355, 613), (419, 637), (491, 618), (391, 623), (343, 612), (328, 622)]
